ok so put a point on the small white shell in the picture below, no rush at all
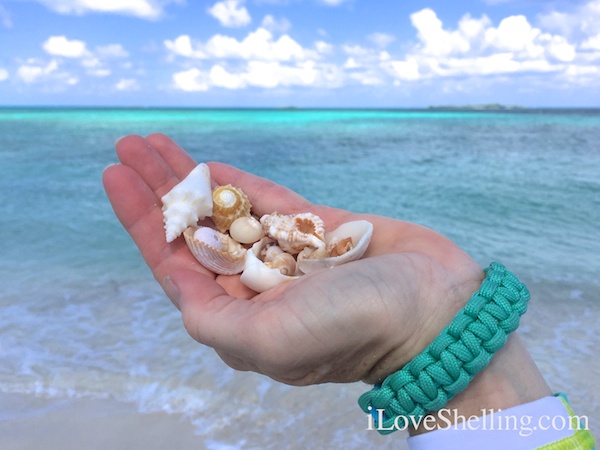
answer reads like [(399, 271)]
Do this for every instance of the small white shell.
[(360, 231), (215, 251), (257, 275), (189, 201), (246, 230)]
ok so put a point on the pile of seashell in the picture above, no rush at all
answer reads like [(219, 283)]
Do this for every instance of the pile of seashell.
[(268, 251)]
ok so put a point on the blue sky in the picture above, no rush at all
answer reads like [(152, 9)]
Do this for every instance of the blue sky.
[(321, 53)]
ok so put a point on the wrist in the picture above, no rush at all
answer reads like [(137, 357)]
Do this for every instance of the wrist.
[(461, 352), (511, 379)]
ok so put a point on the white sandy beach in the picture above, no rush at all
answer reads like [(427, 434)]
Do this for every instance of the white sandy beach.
[(86, 424)]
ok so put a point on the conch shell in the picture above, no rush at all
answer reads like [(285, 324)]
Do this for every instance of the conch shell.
[(295, 232), (260, 276), (188, 201), (229, 203), (215, 251), (346, 243)]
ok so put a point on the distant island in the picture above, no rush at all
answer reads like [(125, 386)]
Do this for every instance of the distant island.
[(486, 107)]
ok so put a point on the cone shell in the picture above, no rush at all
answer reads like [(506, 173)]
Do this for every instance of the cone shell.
[(295, 232), (229, 203), (358, 232), (215, 251)]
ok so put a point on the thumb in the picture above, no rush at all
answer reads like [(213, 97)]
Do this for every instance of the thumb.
[(210, 315)]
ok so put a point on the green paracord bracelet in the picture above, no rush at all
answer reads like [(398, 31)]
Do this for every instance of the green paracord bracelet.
[(450, 362)]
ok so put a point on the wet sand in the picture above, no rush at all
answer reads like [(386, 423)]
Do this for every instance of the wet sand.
[(76, 424)]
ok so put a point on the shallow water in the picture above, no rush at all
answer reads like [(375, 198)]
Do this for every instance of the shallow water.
[(80, 315)]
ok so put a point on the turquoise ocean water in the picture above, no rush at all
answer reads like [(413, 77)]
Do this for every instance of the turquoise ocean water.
[(80, 315)]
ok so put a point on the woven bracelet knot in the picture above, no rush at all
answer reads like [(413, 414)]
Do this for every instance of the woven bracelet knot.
[(450, 362)]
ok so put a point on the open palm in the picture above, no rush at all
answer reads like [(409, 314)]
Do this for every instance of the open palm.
[(362, 320)]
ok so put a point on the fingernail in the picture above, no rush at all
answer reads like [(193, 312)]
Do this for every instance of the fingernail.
[(171, 290)]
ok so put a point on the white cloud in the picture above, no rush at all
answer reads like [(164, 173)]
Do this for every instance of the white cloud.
[(112, 51), (127, 84), (3, 74), (182, 46), (437, 41), (473, 48), (259, 74), (145, 9), (515, 34), (61, 46), (581, 21), (33, 71), (351, 63), (230, 13), (407, 70), (381, 40), (478, 48), (281, 25), (558, 48), (273, 74), (5, 18), (333, 2), (591, 43), (192, 80), (257, 45), (356, 50), (323, 48), (220, 77)]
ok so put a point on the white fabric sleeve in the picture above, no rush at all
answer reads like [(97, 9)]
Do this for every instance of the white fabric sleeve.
[(522, 427)]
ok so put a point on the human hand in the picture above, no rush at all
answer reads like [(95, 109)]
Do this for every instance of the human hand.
[(358, 321)]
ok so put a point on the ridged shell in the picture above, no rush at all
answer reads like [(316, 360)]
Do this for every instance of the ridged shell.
[(295, 232), (229, 203), (359, 232), (187, 202), (215, 251), (257, 275)]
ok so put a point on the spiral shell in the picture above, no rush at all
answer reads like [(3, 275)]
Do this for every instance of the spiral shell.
[(295, 232), (215, 251), (284, 262), (187, 202), (257, 275), (229, 203)]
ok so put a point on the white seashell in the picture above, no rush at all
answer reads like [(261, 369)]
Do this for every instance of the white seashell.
[(246, 230), (257, 275), (215, 251), (295, 232), (359, 231), (188, 202)]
